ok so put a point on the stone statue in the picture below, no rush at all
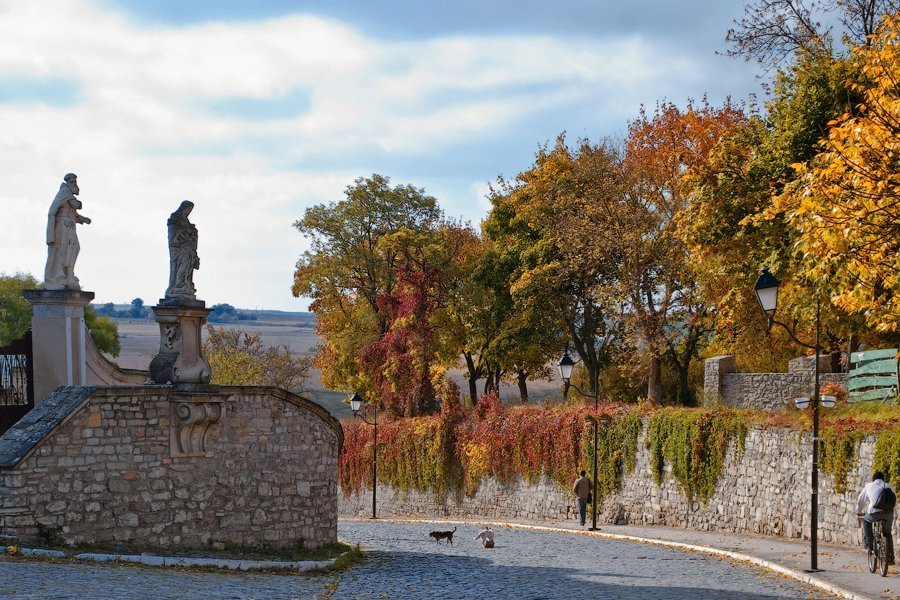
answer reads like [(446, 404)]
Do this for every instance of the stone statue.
[(62, 240), (183, 258)]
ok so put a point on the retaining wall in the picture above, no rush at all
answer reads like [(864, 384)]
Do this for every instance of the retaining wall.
[(764, 391), (765, 491), (152, 466)]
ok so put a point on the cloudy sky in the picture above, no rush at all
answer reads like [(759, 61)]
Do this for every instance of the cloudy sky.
[(255, 110)]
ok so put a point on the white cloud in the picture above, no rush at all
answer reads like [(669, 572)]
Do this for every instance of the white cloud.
[(142, 135)]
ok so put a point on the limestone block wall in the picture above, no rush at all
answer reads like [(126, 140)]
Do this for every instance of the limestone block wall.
[(766, 491), (149, 467), (764, 391)]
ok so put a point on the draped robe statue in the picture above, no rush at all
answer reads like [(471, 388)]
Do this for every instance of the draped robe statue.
[(183, 258), (62, 239)]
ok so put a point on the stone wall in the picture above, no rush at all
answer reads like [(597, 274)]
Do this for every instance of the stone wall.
[(102, 371), (149, 466), (764, 391), (766, 491)]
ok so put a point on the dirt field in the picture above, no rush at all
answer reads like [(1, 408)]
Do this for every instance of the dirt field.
[(139, 340)]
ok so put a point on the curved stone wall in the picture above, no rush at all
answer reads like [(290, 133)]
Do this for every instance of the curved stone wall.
[(150, 466), (765, 491)]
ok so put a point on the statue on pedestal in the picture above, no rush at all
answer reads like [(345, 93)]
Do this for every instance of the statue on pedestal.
[(180, 314), (62, 239), (183, 258)]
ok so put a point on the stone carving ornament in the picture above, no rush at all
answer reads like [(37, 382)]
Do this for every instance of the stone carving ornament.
[(183, 258), (192, 421), (62, 239)]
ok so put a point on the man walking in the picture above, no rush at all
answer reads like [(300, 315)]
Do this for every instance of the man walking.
[(582, 489)]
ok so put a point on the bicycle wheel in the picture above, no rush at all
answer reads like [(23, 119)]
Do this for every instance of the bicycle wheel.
[(873, 550), (882, 554)]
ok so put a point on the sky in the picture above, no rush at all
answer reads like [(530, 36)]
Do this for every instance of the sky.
[(258, 110)]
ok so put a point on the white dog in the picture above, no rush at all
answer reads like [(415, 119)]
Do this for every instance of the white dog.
[(486, 537)]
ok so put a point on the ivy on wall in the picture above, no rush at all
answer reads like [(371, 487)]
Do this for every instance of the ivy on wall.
[(458, 448), (694, 442), (455, 450)]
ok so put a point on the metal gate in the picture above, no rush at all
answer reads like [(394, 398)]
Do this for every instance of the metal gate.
[(16, 381)]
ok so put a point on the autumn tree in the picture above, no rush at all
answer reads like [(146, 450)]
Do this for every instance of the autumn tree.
[(733, 224), (404, 364), (846, 203), (560, 286), (347, 269), (240, 358), (658, 283), (473, 314)]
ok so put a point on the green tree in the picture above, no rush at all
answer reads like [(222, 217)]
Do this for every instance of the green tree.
[(104, 331), (137, 309), (15, 314), (15, 311)]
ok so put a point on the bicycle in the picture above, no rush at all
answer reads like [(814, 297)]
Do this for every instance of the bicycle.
[(878, 558)]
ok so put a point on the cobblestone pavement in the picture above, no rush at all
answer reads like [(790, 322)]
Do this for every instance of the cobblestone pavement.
[(403, 562), (39, 580)]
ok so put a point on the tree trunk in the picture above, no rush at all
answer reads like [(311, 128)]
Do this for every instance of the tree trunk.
[(684, 389), (523, 386), (472, 377), (654, 381), (492, 381)]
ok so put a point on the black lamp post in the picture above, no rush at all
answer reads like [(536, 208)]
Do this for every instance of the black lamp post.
[(766, 289), (565, 366), (356, 402)]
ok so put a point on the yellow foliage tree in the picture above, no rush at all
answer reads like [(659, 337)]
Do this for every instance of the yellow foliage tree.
[(239, 358), (846, 201)]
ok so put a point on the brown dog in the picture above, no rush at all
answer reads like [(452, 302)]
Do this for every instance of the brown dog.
[(443, 535)]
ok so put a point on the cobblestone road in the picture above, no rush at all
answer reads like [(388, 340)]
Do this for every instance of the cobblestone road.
[(405, 563)]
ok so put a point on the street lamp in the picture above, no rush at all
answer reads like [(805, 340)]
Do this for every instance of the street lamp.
[(766, 289), (565, 366), (356, 402)]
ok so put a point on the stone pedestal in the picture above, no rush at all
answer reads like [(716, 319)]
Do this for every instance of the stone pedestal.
[(59, 339), (180, 359)]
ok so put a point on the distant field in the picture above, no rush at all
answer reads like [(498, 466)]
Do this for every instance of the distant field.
[(140, 342)]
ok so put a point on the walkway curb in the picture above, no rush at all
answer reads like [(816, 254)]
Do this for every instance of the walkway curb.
[(745, 558), (182, 561)]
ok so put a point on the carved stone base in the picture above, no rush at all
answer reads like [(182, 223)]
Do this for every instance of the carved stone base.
[(192, 417), (180, 359)]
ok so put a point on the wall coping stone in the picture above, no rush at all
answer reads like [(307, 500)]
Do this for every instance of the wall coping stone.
[(23, 437)]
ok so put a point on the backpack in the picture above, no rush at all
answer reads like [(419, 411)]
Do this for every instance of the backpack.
[(886, 501)]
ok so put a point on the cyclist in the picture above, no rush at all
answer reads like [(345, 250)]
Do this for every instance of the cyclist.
[(864, 508)]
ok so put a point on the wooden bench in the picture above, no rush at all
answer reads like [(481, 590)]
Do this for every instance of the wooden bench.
[(874, 375)]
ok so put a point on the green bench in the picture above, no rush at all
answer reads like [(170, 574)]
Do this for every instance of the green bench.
[(874, 375)]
